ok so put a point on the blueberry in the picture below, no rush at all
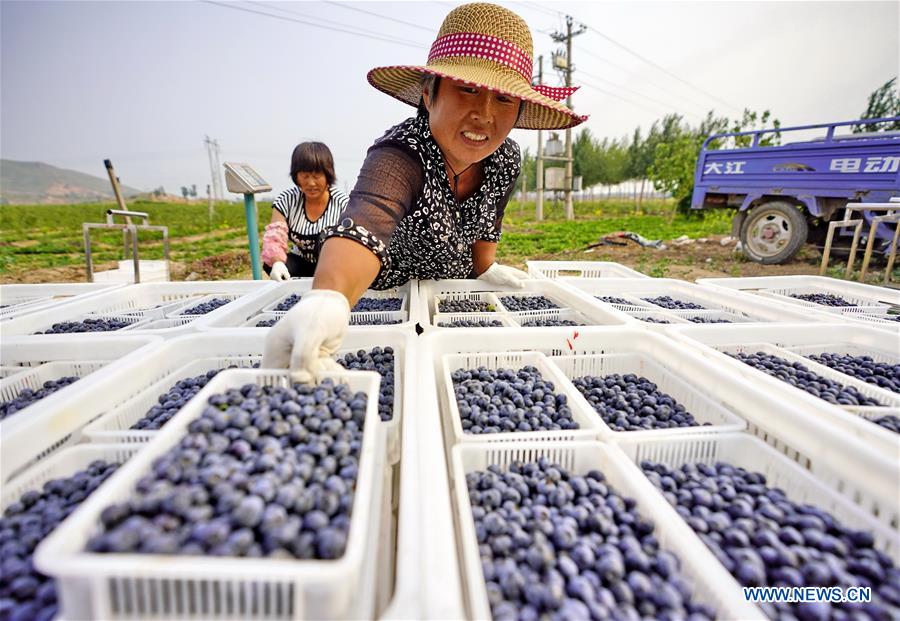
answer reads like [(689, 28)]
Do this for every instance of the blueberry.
[(465, 306), (27, 396), (90, 324), (666, 301), (377, 304), (469, 323), (772, 541), (288, 302), (527, 303), (205, 307), (276, 492), (521, 400), (825, 299), (801, 377)]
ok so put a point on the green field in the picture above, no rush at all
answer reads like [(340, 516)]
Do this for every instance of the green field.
[(41, 236), (37, 237)]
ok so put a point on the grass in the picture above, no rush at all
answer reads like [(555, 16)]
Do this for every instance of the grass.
[(44, 236), (526, 238), (40, 236)]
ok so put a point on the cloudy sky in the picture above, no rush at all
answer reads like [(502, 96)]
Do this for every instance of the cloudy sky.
[(142, 83)]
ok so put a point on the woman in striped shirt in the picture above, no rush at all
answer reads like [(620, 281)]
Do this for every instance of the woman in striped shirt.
[(302, 213)]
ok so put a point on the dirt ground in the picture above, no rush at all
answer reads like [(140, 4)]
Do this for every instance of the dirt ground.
[(703, 258), (709, 258)]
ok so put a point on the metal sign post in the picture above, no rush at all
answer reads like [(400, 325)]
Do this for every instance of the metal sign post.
[(130, 237), (242, 179)]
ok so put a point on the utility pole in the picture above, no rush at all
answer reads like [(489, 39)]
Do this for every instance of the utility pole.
[(539, 203), (568, 69), (212, 150)]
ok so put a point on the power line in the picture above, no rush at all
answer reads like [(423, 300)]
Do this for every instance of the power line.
[(653, 84), (391, 19), (306, 23), (617, 96), (276, 7), (663, 69), (639, 94)]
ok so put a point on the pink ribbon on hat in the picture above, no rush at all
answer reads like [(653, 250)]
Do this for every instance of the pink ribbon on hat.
[(557, 93), (497, 50)]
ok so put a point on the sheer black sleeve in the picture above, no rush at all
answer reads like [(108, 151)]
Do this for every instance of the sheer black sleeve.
[(493, 234), (385, 191)]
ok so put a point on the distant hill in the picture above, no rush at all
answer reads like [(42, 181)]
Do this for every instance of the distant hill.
[(34, 183)]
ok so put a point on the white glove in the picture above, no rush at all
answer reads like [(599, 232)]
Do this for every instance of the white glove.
[(308, 335), (279, 271), (504, 276)]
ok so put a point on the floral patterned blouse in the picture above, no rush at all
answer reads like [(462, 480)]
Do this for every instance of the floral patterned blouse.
[(404, 211)]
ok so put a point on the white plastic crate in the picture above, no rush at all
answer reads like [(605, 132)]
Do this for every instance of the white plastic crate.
[(115, 426), (10, 371), (656, 318), (824, 439), (65, 463), (19, 299), (232, 315), (184, 310), (504, 319), (581, 269), (711, 584), (134, 322), (493, 303), (890, 401), (588, 426), (378, 319), (272, 307), (34, 379), (625, 303), (142, 300), (385, 295), (668, 380), (178, 358), (635, 291), (847, 349), (166, 323), (255, 319), (430, 292), (868, 294), (713, 342), (56, 421), (515, 295), (856, 304), (747, 452), (886, 321), (92, 585), (692, 316), (565, 314)]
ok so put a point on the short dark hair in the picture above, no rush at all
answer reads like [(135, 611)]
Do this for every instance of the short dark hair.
[(313, 157), (430, 83)]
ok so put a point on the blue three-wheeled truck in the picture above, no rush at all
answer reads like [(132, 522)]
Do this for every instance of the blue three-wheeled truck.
[(786, 194)]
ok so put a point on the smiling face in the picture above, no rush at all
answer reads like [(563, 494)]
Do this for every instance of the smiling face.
[(469, 123), (312, 184)]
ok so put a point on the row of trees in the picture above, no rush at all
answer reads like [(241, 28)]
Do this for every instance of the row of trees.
[(666, 155)]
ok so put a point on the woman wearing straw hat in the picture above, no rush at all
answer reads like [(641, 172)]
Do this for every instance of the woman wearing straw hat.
[(430, 196)]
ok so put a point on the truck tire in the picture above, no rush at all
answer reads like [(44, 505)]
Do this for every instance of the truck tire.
[(773, 232)]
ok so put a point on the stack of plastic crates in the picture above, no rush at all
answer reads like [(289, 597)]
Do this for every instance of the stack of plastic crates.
[(275, 302), (782, 435), (848, 301), (147, 308)]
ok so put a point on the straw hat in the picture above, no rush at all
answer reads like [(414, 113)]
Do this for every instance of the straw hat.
[(488, 46)]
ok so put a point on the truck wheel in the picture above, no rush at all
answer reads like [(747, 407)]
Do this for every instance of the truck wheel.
[(773, 233)]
